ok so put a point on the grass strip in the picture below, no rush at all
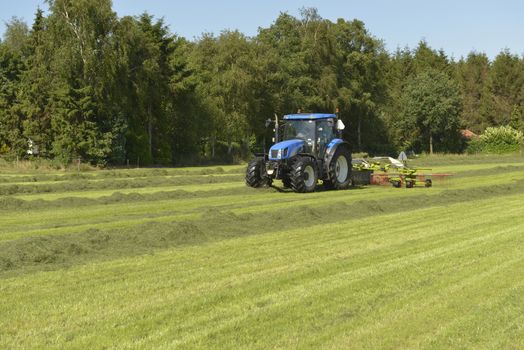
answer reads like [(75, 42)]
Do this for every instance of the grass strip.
[(56, 251), (333, 286)]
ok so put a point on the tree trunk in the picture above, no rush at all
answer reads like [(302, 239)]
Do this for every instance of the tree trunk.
[(229, 147), (213, 146), (430, 144), (244, 147), (150, 132), (358, 134)]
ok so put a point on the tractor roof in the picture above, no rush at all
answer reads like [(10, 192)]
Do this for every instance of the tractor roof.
[(309, 116)]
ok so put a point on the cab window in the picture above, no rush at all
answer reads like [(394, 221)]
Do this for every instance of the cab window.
[(325, 132)]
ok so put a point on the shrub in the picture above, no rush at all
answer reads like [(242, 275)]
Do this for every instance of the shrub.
[(4, 149), (475, 146), (502, 139)]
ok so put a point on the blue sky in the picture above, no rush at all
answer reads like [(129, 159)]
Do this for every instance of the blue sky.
[(456, 26)]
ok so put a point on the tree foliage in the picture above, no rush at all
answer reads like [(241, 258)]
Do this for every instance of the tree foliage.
[(82, 83), (430, 113)]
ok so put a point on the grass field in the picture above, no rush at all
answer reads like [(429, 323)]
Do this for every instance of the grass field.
[(192, 258)]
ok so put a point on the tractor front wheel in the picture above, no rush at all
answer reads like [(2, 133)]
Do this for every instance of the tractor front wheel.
[(303, 176), (256, 173)]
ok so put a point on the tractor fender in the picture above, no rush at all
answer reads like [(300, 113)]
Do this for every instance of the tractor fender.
[(314, 160), (331, 148)]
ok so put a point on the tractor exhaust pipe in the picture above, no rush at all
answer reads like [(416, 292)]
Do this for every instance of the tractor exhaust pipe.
[(276, 128)]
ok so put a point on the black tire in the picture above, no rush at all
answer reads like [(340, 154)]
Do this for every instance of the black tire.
[(303, 175), (428, 183), (410, 183), (256, 173), (286, 181), (339, 178), (396, 183)]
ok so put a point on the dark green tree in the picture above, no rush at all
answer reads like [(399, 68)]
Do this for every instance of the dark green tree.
[(13, 63), (430, 115), (81, 66), (472, 75), (191, 116), (225, 67), (34, 93), (144, 48), (504, 99), (362, 86), (425, 58), (399, 70), (12, 141)]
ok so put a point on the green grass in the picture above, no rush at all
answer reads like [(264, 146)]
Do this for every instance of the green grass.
[(219, 265)]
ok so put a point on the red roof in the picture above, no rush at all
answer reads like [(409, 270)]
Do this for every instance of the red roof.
[(468, 134)]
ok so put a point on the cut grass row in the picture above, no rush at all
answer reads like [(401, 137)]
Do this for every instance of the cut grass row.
[(56, 247), (116, 211), (83, 182), (143, 190), (445, 281), (38, 176), (437, 160), (132, 210), (116, 184), (117, 180), (107, 187)]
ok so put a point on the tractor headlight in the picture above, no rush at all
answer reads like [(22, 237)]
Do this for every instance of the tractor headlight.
[(279, 154)]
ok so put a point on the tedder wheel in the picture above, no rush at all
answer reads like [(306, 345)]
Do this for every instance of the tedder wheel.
[(339, 171), (256, 173), (428, 183), (410, 183), (396, 183), (303, 175)]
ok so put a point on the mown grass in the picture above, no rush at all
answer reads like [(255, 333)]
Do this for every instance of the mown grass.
[(115, 184), (128, 210), (220, 265), (465, 159)]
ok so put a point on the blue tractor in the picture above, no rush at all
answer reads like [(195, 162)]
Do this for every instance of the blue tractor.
[(308, 148)]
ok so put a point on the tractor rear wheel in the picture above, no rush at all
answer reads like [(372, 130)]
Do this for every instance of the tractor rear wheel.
[(256, 173), (339, 171), (303, 176)]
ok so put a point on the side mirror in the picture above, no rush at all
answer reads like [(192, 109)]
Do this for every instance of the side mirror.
[(340, 125)]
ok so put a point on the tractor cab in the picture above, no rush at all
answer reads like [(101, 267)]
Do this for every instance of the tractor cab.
[(316, 134), (305, 133)]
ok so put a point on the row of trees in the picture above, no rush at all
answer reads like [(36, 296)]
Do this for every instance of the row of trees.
[(81, 82)]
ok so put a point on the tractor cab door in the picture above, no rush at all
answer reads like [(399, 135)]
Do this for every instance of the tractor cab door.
[(325, 133)]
